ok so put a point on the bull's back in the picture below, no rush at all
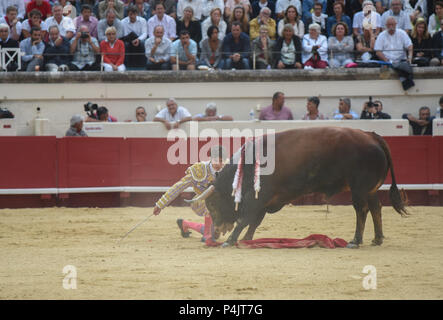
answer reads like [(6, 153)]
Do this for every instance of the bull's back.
[(328, 159)]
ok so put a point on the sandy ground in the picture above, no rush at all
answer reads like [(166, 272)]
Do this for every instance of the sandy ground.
[(154, 262)]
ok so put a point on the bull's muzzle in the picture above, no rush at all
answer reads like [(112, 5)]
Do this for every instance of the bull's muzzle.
[(203, 195)]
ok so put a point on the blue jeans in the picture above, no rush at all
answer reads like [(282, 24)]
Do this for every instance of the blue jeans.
[(243, 63)]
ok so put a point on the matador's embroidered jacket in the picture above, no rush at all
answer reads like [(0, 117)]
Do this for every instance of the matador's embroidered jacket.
[(198, 176)]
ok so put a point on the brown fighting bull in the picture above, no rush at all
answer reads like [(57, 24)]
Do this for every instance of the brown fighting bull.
[(326, 160)]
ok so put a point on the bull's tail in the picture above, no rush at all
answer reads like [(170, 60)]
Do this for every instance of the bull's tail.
[(398, 198)]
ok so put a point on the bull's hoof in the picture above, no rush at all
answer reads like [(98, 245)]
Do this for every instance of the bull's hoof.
[(377, 242), (352, 245)]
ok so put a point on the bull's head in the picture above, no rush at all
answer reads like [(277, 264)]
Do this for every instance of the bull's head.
[(221, 209)]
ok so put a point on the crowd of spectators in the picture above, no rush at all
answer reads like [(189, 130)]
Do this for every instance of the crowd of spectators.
[(114, 35)]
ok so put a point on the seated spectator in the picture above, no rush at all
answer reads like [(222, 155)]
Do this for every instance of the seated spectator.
[(211, 114), (393, 38), (288, 50), (183, 52), (35, 20), (437, 45), (231, 4), (292, 17), (258, 4), (381, 6), (116, 5), (422, 43), (315, 48), (41, 5), (7, 42), (318, 17), (173, 115), (338, 16), (157, 50), (439, 113), (367, 17), (379, 108), (341, 46), (110, 20), (76, 127), (188, 22), (214, 19), (19, 5), (208, 5), (368, 111), (308, 9), (134, 36), (264, 19), (84, 49), (160, 18), (169, 7), (11, 20), (33, 48), (196, 6), (344, 111), (312, 107), (87, 19), (417, 10), (282, 5), (277, 110), (435, 20), (211, 55), (241, 16), (346, 11), (65, 25), (364, 44), (69, 10), (101, 115), (57, 51), (236, 49), (113, 52), (140, 114), (402, 18), (422, 125), (143, 8), (262, 47)]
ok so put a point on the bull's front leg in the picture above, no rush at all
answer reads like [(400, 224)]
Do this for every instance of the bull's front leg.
[(233, 237)]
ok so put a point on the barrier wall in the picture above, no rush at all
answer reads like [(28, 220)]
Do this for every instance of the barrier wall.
[(48, 171)]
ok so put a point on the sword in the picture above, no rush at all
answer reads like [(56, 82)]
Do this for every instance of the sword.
[(135, 227)]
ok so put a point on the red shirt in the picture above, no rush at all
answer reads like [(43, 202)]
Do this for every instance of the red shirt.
[(114, 55), (44, 8)]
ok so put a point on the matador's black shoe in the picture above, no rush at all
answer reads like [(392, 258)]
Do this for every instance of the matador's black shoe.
[(180, 226)]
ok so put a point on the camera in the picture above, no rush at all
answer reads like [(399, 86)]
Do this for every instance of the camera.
[(90, 109), (370, 103), (84, 35)]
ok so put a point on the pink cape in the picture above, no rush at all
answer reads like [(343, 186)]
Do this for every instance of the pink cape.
[(321, 240)]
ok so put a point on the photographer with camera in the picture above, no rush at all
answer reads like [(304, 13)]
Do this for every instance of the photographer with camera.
[(98, 114), (85, 49)]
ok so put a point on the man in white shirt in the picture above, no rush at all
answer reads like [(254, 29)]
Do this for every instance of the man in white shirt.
[(135, 32), (391, 44), (173, 115), (65, 24), (160, 18), (208, 5), (402, 18), (19, 4), (157, 50), (196, 5), (11, 19), (367, 16)]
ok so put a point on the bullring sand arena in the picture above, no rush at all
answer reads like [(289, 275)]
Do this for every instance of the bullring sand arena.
[(155, 262)]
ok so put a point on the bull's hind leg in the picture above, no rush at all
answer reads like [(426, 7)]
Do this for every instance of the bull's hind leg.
[(375, 208), (253, 226), (361, 209)]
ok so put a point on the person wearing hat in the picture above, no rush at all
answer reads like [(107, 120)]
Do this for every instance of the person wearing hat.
[(76, 128), (199, 176), (344, 111), (367, 17), (211, 114)]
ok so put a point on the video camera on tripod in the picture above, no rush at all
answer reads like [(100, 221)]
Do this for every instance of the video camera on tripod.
[(91, 109)]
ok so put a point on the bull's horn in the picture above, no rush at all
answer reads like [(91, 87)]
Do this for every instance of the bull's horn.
[(203, 195)]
